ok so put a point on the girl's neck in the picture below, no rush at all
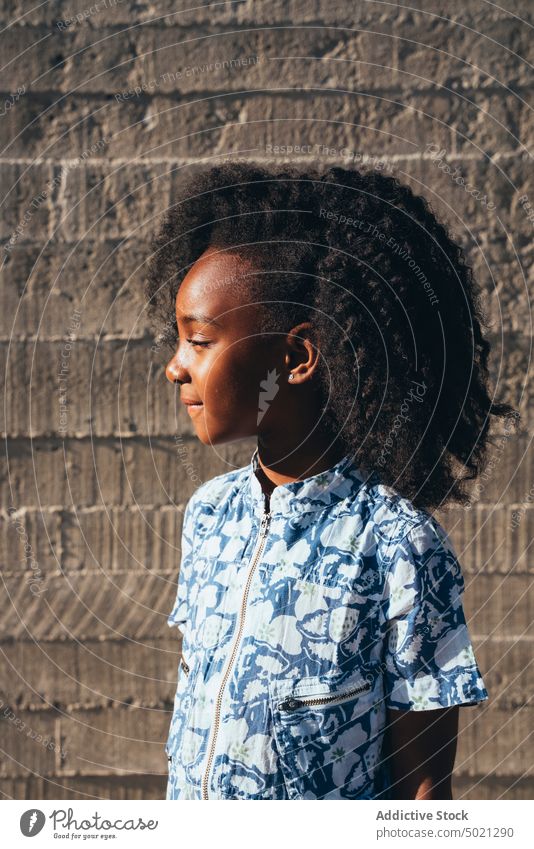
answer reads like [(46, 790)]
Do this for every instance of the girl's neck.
[(294, 466)]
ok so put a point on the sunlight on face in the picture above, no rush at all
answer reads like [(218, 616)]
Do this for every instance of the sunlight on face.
[(221, 358)]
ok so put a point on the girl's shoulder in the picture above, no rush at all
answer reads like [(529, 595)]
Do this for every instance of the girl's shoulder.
[(398, 524), (389, 509)]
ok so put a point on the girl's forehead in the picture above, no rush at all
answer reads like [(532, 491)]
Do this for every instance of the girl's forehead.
[(215, 288)]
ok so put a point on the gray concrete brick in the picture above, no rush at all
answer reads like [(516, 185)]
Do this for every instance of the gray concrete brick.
[(141, 193), (28, 202), (489, 787), (101, 387), (497, 742), (173, 12), (493, 540), (93, 742), (166, 124), (88, 606), (116, 740), (92, 674), (140, 538), (63, 474), (30, 545), (43, 286), (116, 201), (504, 481), (29, 740), (499, 606), (93, 473), (32, 786)]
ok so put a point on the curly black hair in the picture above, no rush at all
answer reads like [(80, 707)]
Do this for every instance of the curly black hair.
[(397, 312)]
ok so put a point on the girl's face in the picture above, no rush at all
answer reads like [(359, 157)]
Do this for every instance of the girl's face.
[(221, 359)]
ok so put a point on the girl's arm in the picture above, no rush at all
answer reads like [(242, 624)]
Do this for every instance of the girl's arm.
[(421, 746), (430, 668)]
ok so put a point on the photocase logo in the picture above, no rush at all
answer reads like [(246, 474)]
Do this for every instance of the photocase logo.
[(32, 822), (269, 390)]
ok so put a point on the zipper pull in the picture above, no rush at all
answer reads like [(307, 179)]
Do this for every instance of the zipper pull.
[(290, 704)]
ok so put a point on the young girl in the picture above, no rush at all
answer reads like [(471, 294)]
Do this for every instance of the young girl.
[(325, 651)]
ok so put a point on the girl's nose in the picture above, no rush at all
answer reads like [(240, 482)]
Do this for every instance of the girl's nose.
[(174, 371)]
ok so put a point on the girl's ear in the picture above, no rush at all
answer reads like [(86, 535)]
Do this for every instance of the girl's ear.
[(302, 355)]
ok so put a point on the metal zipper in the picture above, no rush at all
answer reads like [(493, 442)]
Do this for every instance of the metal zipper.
[(292, 703), (264, 527)]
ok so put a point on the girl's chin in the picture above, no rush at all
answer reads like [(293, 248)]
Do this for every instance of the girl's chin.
[(203, 437), (217, 437)]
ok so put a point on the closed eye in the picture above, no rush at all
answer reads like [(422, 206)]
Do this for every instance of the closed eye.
[(197, 342)]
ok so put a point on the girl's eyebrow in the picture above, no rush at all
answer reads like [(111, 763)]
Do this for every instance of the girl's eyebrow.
[(203, 319)]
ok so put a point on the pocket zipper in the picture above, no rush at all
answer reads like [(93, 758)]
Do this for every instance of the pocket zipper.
[(292, 703), (186, 669)]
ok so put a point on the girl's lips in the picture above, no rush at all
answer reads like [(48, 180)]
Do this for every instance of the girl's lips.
[(192, 407)]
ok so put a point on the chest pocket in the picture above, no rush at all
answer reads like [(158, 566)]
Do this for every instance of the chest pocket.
[(322, 729)]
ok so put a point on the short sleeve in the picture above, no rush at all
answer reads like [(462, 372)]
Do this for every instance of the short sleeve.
[(429, 659), (179, 613)]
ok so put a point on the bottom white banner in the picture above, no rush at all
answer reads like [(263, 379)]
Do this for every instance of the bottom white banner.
[(147, 823)]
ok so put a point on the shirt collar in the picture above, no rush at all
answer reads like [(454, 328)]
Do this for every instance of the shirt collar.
[(342, 480)]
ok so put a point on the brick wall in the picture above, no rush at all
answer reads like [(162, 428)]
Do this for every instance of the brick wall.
[(104, 111)]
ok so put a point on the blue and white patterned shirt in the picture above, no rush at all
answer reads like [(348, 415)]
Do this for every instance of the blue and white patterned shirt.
[(303, 619)]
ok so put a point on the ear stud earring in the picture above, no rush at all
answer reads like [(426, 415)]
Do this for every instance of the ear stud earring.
[(291, 376)]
